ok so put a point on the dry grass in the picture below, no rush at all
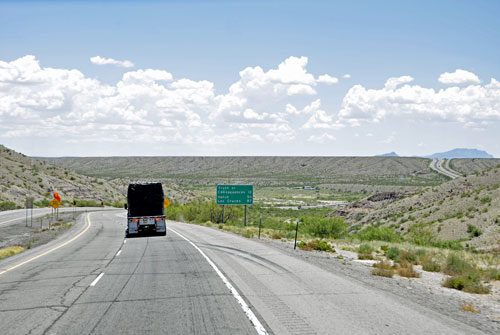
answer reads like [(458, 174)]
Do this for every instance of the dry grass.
[(468, 307), (10, 251), (383, 269), (405, 269)]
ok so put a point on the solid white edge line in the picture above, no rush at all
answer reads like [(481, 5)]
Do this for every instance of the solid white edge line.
[(119, 252), (97, 279), (250, 315)]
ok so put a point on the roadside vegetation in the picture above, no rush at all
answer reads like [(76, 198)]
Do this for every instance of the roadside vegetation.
[(10, 251), (406, 255)]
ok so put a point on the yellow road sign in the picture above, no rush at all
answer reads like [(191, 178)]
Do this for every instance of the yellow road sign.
[(166, 203), (55, 203)]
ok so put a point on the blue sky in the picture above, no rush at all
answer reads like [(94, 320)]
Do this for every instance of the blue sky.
[(212, 41)]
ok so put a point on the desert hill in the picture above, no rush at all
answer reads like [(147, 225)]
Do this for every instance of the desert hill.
[(21, 177), (461, 153), (467, 209), (261, 170)]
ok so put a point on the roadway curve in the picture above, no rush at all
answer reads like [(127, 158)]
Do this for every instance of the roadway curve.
[(443, 167), (164, 285), (9, 218)]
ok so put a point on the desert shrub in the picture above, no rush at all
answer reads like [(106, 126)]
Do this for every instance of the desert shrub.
[(468, 283), (87, 203), (393, 253), (365, 251), (7, 205), (450, 244), (378, 234), (276, 236), (473, 230), (485, 200), (324, 227), (319, 245), (405, 269), (408, 256), (419, 236), (431, 266), (248, 233), (383, 269), (456, 265), (493, 274), (384, 248)]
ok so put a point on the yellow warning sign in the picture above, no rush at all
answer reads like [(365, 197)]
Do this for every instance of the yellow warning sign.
[(55, 203), (166, 203)]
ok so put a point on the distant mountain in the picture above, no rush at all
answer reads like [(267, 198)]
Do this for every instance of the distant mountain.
[(461, 153), (390, 154)]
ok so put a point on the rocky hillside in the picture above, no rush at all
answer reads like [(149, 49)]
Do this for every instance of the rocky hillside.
[(473, 165), (21, 177), (467, 209)]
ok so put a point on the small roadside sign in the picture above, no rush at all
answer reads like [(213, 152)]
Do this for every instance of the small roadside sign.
[(29, 203), (55, 203), (166, 203)]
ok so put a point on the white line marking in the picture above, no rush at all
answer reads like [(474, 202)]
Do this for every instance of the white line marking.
[(250, 315), (49, 251), (124, 241), (97, 279), (119, 252)]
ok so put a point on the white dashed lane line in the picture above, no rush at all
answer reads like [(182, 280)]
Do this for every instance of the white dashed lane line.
[(97, 279)]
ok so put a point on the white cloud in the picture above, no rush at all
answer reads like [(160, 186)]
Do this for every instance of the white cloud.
[(468, 105), (266, 94), (327, 79), (346, 76), (259, 107), (98, 60), (459, 77), (321, 138), (312, 107), (394, 82), (300, 89)]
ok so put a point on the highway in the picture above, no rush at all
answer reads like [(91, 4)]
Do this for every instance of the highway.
[(195, 280), (437, 165), (8, 218)]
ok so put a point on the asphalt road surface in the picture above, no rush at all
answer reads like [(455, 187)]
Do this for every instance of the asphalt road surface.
[(437, 165), (93, 281), (8, 218)]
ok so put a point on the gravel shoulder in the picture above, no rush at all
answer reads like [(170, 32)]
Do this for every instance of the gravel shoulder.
[(425, 291)]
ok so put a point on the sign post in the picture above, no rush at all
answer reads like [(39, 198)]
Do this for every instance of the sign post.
[(235, 195), (29, 205), (296, 232), (55, 204), (260, 225)]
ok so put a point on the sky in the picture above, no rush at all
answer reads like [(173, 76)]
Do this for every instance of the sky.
[(233, 78)]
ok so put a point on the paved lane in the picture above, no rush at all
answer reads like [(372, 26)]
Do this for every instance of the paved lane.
[(437, 165), (158, 285)]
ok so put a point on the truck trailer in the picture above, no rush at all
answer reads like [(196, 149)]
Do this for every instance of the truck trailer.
[(145, 210)]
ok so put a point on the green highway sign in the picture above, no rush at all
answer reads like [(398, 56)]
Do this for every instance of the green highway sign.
[(234, 194)]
